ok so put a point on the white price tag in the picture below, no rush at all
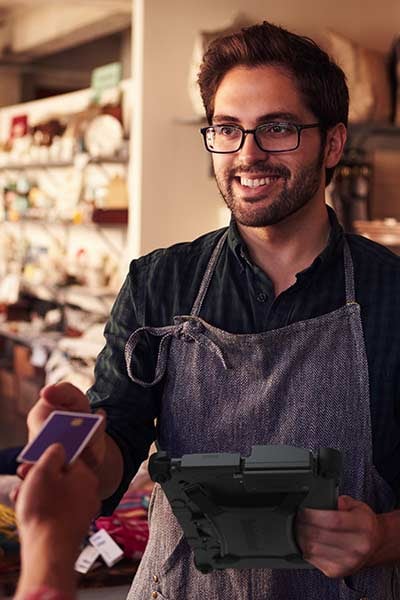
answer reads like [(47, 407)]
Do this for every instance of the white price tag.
[(109, 550), (86, 559), (38, 356)]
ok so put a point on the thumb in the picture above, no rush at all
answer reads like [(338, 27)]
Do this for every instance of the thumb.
[(53, 459), (66, 396), (347, 503)]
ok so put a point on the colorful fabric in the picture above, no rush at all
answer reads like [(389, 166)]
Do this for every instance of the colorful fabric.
[(8, 531), (128, 524)]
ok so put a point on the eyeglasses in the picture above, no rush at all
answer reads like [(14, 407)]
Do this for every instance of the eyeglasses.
[(270, 137)]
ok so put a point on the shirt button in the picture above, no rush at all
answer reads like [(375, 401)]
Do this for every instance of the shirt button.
[(155, 578), (154, 595), (261, 297)]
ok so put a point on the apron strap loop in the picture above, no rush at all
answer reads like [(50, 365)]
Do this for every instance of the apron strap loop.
[(165, 333), (188, 331)]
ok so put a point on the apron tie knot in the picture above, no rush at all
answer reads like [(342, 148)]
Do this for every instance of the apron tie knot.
[(193, 330), (187, 330)]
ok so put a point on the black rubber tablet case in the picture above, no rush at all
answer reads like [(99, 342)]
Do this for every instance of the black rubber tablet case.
[(238, 512)]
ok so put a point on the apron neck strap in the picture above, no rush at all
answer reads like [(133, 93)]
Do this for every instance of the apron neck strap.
[(208, 275), (349, 274)]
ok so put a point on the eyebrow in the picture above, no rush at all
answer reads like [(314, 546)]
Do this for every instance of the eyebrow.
[(273, 116)]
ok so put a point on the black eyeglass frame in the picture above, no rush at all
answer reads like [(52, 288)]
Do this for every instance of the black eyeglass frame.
[(299, 128)]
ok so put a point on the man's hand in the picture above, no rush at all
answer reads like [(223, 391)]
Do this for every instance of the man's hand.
[(339, 543), (65, 396)]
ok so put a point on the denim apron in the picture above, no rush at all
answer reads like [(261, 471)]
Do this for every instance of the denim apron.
[(306, 385)]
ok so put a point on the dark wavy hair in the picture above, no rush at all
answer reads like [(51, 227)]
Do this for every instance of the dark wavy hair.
[(319, 79)]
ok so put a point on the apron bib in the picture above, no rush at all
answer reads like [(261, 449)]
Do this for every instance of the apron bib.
[(304, 385)]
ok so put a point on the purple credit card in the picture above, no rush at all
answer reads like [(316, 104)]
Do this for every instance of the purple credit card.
[(72, 430)]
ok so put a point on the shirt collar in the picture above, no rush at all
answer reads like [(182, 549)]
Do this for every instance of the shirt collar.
[(334, 245)]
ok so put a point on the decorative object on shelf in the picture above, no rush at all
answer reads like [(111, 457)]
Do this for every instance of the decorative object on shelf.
[(367, 77), (105, 82), (117, 194), (44, 133), (104, 136), (110, 215), (19, 126), (77, 124)]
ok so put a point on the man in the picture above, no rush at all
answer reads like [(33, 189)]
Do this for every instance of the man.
[(54, 508), (279, 330)]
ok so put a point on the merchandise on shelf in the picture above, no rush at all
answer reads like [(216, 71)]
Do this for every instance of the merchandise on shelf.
[(62, 166)]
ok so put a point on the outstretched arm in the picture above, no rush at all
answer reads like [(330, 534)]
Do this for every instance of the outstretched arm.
[(54, 507)]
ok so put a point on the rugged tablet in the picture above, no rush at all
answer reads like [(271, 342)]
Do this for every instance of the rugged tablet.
[(238, 512)]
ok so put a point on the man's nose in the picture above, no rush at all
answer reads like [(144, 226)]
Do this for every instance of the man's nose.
[(250, 149)]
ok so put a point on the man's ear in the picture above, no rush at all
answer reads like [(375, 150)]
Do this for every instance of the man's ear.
[(335, 141)]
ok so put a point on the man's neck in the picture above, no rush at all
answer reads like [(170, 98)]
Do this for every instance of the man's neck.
[(285, 249)]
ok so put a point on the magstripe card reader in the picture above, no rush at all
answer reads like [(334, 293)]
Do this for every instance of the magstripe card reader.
[(239, 512)]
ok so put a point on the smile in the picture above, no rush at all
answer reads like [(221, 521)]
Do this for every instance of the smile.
[(252, 183)]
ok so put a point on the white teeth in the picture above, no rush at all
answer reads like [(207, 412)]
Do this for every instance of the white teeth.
[(252, 183)]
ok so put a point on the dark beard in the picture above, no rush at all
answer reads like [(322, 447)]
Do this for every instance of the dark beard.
[(291, 199)]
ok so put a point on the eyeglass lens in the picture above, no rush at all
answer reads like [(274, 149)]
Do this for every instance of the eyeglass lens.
[(270, 137)]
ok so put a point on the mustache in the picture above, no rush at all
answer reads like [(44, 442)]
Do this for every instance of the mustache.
[(260, 169)]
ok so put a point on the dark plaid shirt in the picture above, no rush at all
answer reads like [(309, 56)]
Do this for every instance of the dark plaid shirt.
[(241, 300)]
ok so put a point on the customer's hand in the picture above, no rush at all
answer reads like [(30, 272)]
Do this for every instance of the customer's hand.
[(58, 497), (54, 507)]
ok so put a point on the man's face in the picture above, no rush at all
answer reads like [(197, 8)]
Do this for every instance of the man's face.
[(262, 188)]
